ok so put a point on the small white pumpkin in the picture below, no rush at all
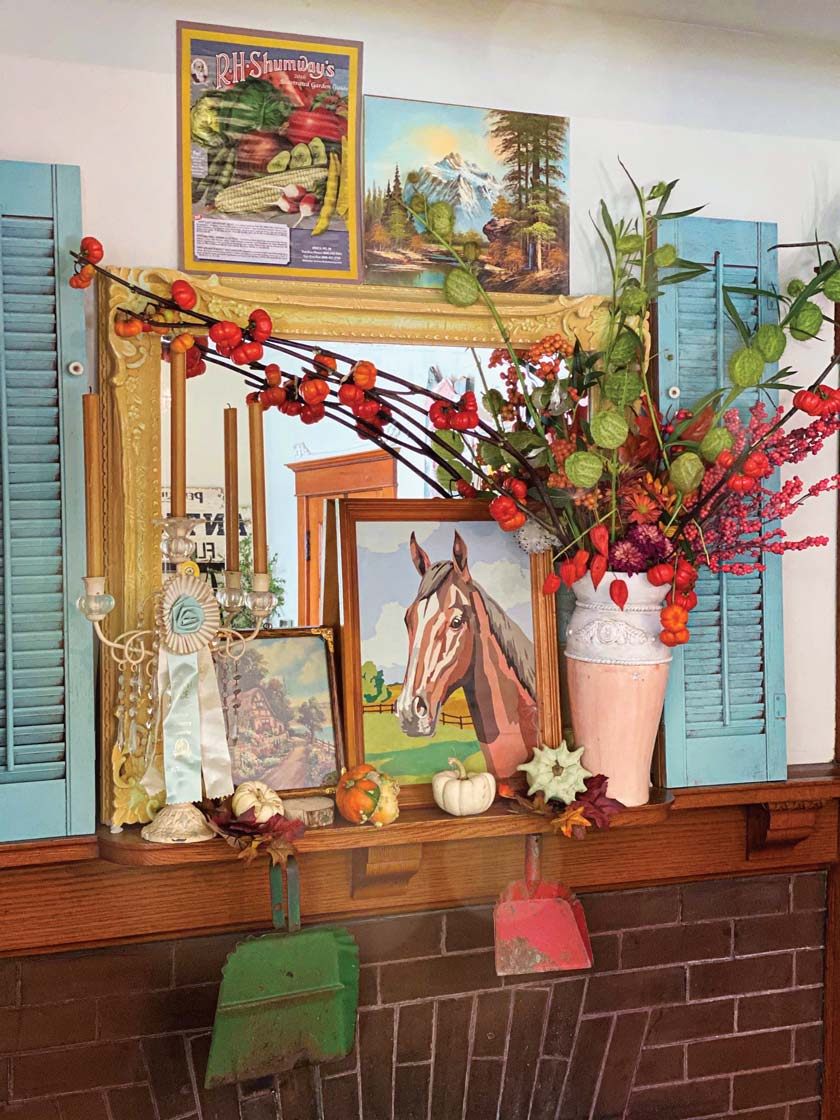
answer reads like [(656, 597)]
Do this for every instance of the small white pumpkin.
[(461, 794), (265, 802)]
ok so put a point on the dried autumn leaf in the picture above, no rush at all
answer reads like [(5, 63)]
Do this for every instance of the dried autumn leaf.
[(573, 818), (699, 425), (595, 804)]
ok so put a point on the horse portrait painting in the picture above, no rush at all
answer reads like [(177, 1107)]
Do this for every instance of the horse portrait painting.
[(447, 648), (459, 637)]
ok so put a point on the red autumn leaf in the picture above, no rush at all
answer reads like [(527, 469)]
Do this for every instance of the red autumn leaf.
[(597, 806), (618, 593), (697, 427)]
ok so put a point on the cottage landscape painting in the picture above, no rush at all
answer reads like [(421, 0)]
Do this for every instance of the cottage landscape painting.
[(505, 174), (280, 710), (447, 650)]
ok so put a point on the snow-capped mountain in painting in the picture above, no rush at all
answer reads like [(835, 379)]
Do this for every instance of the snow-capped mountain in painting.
[(470, 190)]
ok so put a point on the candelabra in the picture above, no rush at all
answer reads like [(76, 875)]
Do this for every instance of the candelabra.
[(188, 628)]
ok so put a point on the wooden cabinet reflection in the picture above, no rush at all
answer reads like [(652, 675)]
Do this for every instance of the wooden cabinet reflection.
[(370, 474)]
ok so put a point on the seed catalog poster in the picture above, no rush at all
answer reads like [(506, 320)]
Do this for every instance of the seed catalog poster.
[(269, 153)]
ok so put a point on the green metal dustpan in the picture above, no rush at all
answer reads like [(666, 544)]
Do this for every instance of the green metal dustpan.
[(287, 998)]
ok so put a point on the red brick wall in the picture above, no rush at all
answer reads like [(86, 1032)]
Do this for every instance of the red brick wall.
[(705, 1001)]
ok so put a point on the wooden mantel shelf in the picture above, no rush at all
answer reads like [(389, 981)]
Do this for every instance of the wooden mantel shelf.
[(806, 785), (109, 888), (415, 826)]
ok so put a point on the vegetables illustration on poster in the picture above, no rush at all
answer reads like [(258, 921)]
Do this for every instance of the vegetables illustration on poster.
[(505, 175), (269, 132)]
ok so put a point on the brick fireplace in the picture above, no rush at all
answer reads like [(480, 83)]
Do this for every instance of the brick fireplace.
[(706, 1000)]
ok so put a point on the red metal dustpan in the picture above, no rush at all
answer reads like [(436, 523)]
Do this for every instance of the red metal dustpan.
[(540, 927)]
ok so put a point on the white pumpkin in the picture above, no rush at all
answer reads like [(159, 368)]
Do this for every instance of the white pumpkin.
[(461, 794), (265, 802)]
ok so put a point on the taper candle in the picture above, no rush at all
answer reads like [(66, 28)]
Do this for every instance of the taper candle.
[(93, 483), (255, 427), (231, 491), (178, 434)]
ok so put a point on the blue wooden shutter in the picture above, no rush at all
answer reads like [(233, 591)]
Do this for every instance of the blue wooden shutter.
[(47, 751), (724, 712)]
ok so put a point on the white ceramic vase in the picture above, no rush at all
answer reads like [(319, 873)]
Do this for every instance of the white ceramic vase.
[(617, 671)]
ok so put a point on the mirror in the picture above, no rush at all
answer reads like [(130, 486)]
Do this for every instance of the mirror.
[(406, 330), (304, 466)]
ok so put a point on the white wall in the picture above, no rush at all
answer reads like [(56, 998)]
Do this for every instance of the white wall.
[(749, 123)]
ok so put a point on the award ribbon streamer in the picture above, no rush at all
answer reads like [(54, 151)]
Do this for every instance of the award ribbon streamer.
[(181, 728), (215, 753), (194, 737)]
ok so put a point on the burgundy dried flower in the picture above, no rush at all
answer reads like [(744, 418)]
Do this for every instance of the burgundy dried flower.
[(651, 541), (625, 556)]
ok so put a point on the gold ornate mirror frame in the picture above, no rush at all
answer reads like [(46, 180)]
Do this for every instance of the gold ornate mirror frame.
[(129, 382)]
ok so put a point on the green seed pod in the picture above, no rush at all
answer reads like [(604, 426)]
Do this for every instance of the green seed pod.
[(807, 323), (441, 219), (493, 401), (471, 251), (609, 429), (795, 287), (630, 243), (715, 441), (665, 256), (583, 469), (686, 472), (770, 341), (625, 348), (417, 203), (413, 177), (460, 287), (746, 367), (622, 387), (633, 300), (831, 289)]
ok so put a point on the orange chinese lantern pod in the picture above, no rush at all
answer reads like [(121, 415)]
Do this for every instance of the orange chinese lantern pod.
[(181, 344), (184, 294), (364, 374), (91, 249), (127, 326)]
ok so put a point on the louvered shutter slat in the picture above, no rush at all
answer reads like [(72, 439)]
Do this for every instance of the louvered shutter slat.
[(46, 725), (726, 687)]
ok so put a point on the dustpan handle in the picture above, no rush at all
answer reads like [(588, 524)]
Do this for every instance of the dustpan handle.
[(533, 859), (285, 895)]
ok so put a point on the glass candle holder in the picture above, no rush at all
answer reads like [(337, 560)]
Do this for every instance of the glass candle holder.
[(177, 543), (261, 602), (231, 598), (96, 603)]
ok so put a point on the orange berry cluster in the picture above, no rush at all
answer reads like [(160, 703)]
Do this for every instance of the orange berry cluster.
[(550, 347)]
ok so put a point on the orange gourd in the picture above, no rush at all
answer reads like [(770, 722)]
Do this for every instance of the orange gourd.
[(364, 795), (357, 794)]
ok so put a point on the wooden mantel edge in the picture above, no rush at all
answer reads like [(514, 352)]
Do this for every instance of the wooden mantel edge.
[(805, 783)]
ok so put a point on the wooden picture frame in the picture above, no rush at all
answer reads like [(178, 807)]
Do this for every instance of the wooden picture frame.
[(129, 383), (327, 636), (354, 511)]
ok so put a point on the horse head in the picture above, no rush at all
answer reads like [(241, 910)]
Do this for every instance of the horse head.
[(441, 638)]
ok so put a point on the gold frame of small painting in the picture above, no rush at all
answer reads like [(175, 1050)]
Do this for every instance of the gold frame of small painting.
[(540, 715), (272, 711)]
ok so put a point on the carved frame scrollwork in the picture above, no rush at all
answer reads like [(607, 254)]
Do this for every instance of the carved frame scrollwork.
[(129, 382)]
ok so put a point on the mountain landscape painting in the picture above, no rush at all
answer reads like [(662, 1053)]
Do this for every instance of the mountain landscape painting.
[(506, 175)]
